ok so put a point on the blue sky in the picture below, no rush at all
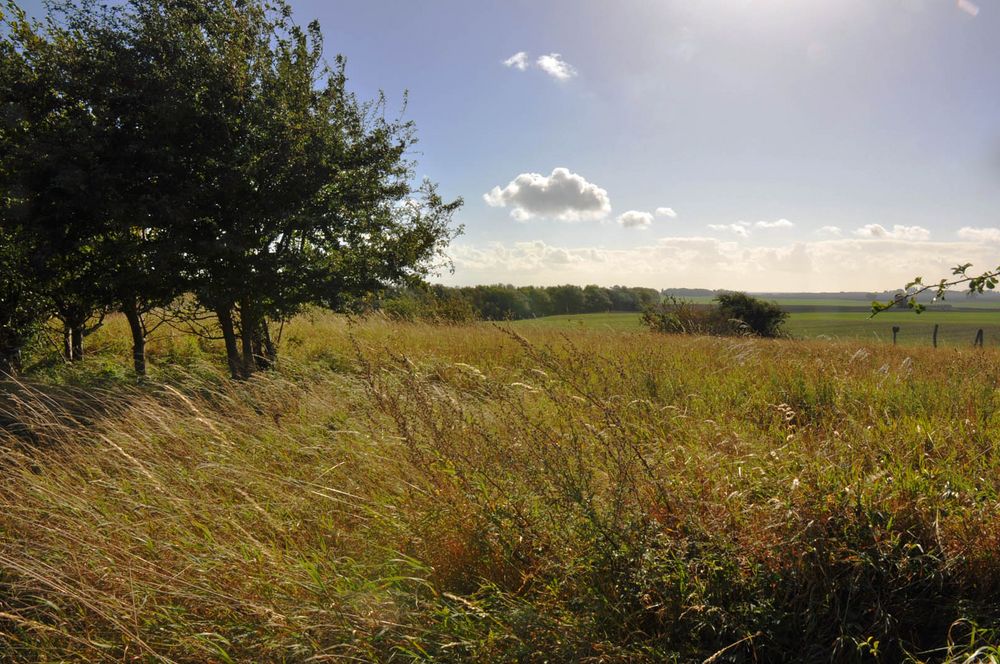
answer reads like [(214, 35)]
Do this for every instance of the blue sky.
[(801, 144)]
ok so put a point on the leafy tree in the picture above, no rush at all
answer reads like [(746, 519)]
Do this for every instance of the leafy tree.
[(566, 299), (165, 147), (51, 170), (298, 193), (22, 310), (596, 299), (623, 299), (539, 300), (646, 297), (83, 169), (499, 302)]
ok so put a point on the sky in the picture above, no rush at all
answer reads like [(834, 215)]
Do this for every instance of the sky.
[(767, 145)]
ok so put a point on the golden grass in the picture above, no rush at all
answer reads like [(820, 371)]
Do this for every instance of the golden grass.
[(396, 492)]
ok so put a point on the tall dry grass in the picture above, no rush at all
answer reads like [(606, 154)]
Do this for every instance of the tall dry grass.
[(398, 492)]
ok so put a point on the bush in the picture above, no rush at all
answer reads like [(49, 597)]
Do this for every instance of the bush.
[(677, 316), (761, 318), (735, 314)]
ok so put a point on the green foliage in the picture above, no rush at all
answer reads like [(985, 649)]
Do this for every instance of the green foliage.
[(734, 314), (22, 309), (58, 195), (677, 316), (156, 148), (505, 302), (910, 294), (761, 318)]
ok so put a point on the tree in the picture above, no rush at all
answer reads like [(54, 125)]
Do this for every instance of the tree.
[(539, 301), (623, 299), (83, 168), (163, 147), (499, 302), (596, 299), (22, 310), (51, 172), (293, 191), (566, 299)]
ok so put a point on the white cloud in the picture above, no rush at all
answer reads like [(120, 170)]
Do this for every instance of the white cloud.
[(831, 231), (666, 212), (780, 223), (636, 219), (740, 228), (518, 61), (979, 234), (898, 232), (969, 7), (553, 65), (828, 265), (685, 44), (563, 195)]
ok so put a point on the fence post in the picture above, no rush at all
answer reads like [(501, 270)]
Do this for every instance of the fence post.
[(979, 339), (935, 334), (895, 331)]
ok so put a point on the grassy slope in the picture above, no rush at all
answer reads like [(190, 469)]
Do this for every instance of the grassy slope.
[(400, 492)]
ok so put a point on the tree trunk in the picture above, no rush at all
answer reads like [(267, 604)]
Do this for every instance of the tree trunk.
[(138, 330), (76, 339), (225, 315), (67, 347), (269, 353), (260, 362), (247, 327), (10, 361)]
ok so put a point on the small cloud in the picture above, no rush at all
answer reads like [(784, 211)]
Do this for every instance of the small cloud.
[(553, 65), (970, 8), (831, 231), (518, 61), (666, 212), (898, 232), (563, 195), (739, 229), (636, 219), (685, 45), (780, 223), (979, 234)]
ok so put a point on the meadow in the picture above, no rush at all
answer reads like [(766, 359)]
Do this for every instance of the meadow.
[(503, 493)]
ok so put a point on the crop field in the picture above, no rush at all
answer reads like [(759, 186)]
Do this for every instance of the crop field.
[(525, 493), (956, 328)]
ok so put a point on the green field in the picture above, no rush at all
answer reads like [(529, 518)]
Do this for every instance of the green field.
[(956, 328), (607, 321), (955, 301)]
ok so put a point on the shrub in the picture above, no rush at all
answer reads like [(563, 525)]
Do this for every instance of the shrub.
[(676, 316), (735, 314), (761, 318)]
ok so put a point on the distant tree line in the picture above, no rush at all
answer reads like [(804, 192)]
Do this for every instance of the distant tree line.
[(505, 302), (199, 163)]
